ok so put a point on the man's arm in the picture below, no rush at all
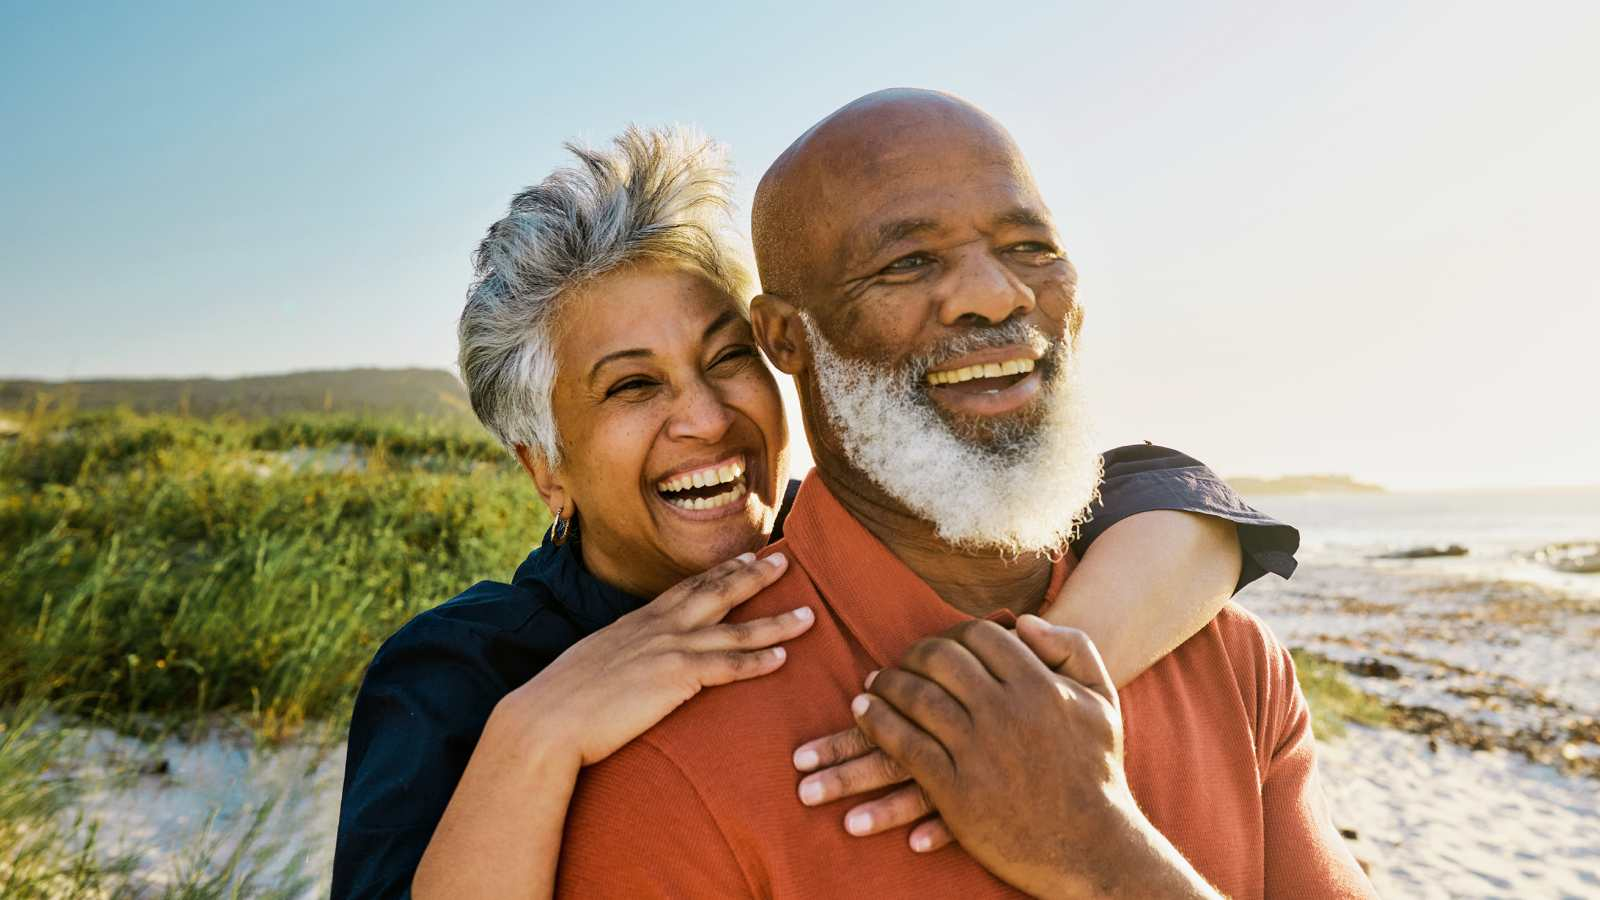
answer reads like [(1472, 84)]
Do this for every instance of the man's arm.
[(638, 828)]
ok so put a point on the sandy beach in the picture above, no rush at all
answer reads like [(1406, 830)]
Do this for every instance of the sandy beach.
[(1445, 821)]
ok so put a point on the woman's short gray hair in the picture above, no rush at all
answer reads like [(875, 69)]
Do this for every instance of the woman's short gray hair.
[(656, 195)]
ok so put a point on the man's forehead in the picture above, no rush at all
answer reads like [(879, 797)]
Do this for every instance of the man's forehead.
[(958, 202)]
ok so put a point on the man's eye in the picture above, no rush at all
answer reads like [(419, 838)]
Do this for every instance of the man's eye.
[(909, 263), (1035, 248)]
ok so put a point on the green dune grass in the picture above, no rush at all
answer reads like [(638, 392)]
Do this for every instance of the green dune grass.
[(172, 566)]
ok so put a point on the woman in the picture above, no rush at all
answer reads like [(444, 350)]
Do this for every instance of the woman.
[(605, 344)]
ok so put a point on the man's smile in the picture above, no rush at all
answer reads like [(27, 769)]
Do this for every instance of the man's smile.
[(990, 383)]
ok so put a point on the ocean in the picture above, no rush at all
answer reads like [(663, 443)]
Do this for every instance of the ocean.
[(1488, 649), (1502, 530)]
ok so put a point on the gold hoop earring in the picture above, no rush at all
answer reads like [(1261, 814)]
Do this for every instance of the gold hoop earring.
[(562, 528)]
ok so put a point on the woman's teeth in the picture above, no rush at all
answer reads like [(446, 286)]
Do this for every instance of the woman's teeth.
[(986, 370), (714, 502), (707, 477)]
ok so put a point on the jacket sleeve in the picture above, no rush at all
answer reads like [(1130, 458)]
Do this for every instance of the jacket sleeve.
[(1143, 477), (637, 827), (417, 718)]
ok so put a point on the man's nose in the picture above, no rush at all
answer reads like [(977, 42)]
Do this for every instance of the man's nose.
[(984, 289), (699, 414)]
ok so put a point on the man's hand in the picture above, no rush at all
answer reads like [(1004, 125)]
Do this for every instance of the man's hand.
[(1016, 738)]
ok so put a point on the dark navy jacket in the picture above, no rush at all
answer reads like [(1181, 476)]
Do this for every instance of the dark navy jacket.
[(431, 687)]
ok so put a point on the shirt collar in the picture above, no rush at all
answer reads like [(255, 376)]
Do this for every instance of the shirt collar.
[(877, 597)]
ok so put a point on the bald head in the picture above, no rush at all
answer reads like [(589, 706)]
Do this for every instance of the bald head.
[(845, 166)]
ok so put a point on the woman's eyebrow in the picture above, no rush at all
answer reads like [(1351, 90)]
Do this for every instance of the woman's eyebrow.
[(727, 318), (602, 362)]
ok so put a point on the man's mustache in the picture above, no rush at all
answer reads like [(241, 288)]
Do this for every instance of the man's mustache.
[(1009, 334)]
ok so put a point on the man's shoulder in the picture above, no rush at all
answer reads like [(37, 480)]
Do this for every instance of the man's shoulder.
[(794, 587), (1235, 661), (755, 725), (1252, 647)]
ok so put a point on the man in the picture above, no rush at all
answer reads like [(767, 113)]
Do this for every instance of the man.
[(916, 290)]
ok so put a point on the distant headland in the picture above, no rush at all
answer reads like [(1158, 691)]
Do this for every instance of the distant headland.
[(428, 393), (1303, 484)]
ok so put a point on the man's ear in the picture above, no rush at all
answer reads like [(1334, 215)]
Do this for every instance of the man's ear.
[(779, 332), (549, 484)]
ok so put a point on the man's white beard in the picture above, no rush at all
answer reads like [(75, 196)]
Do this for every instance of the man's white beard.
[(1025, 491)]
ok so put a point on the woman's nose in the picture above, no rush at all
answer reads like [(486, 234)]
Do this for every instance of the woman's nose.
[(699, 415), (984, 288)]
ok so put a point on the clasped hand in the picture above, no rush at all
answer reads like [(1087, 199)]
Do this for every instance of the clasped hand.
[(1013, 739)]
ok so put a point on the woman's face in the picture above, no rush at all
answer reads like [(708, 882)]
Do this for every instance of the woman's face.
[(673, 437)]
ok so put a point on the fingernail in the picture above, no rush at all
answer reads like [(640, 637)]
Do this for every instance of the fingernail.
[(804, 614), (920, 843), (806, 760), (870, 676), (779, 654), (810, 792), (859, 705), (858, 823), (776, 560), (746, 557)]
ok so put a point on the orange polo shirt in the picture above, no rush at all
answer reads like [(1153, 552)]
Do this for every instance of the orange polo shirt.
[(1218, 754)]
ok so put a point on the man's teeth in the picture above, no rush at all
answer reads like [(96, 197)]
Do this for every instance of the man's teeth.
[(703, 477), (720, 500), (986, 370)]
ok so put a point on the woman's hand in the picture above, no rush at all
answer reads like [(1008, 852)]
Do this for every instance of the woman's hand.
[(652, 660), (847, 764), (501, 833)]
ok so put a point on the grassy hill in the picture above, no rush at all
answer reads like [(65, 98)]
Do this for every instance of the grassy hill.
[(405, 393)]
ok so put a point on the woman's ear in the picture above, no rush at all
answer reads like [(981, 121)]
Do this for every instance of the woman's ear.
[(779, 332), (549, 485)]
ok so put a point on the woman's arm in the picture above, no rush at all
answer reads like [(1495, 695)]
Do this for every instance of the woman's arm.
[(1147, 584), (1167, 543), (500, 835)]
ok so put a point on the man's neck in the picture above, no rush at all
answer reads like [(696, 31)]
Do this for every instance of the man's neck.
[(975, 582)]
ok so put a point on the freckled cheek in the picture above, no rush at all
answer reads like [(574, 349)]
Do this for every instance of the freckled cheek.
[(617, 447), (756, 397)]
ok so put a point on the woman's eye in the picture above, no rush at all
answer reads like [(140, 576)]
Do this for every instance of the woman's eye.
[(630, 386), (735, 354)]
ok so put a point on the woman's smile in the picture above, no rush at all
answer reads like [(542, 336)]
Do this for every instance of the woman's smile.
[(704, 492)]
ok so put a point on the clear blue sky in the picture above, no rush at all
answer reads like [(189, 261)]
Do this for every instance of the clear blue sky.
[(1355, 238)]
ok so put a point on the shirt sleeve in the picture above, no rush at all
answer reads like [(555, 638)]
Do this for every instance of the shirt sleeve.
[(1143, 477), (417, 718), (637, 827), (1305, 854)]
